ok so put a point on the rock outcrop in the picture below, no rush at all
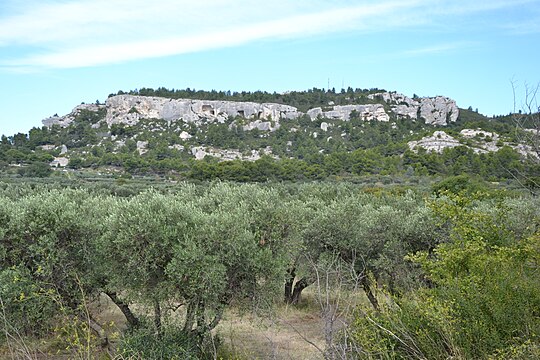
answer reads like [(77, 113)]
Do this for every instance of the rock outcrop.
[(438, 110), (479, 141), (65, 120), (435, 143), (343, 112), (200, 152), (130, 109)]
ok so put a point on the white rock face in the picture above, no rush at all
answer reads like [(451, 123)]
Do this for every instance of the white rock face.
[(435, 143), (483, 142), (59, 162), (141, 147), (472, 133), (261, 125), (343, 112), (324, 126), (185, 135), (129, 109), (438, 110), (65, 120), (201, 152), (198, 152)]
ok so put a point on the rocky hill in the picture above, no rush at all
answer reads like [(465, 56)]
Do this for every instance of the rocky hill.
[(129, 109), (322, 133)]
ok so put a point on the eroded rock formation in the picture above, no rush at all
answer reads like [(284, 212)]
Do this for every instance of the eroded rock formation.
[(130, 109)]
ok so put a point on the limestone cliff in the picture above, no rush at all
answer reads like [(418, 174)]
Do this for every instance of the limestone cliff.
[(129, 109), (438, 110)]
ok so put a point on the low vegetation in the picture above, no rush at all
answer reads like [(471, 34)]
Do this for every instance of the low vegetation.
[(440, 275)]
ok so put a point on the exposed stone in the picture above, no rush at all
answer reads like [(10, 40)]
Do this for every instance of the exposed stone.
[(315, 113), (130, 109), (198, 152), (230, 154), (472, 133), (176, 147), (63, 150), (343, 112), (435, 143), (438, 110), (64, 121), (260, 125), (59, 162), (47, 147), (324, 126), (141, 147), (185, 136)]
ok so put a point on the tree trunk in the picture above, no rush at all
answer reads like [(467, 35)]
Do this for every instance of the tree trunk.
[(216, 319), (367, 289), (201, 317), (289, 285), (190, 316), (132, 320), (157, 317), (298, 288)]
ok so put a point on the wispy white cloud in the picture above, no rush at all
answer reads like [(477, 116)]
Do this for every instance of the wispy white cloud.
[(141, 33), (437, 49), (66, 34)]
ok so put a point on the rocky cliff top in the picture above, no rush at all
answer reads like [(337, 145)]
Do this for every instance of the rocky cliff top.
[(129, 109)]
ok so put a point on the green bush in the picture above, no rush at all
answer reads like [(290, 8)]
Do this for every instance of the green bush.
[(483, 295), (25, 307), (173, 344)]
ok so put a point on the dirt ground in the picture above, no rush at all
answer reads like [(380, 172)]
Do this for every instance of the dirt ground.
[(289, 333)]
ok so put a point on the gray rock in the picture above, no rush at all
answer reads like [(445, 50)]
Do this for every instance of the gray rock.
[(435, 143), (315, 113), (185, 136), (438, 110), (59, 162), (130, 109), (141, 147), (343, 112)]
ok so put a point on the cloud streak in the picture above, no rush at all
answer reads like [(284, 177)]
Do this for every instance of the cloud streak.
[(98, 32)]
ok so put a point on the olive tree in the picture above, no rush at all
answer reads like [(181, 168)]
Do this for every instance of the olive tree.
[(196, 255), (48, 254)]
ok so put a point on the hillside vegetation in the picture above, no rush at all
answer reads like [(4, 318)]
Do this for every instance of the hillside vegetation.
[(304, 148)]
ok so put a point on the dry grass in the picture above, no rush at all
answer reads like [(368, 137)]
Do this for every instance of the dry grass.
[(286, 335), (291, 332)]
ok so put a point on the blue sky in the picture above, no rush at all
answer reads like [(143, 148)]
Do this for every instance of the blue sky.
[(55, 54)]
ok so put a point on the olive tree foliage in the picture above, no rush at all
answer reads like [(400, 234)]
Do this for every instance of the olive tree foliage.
[(47, 256), (375, 234), (195, 254), (138, 245)]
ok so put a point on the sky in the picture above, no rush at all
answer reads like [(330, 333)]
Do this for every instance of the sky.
[(55, 54)]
